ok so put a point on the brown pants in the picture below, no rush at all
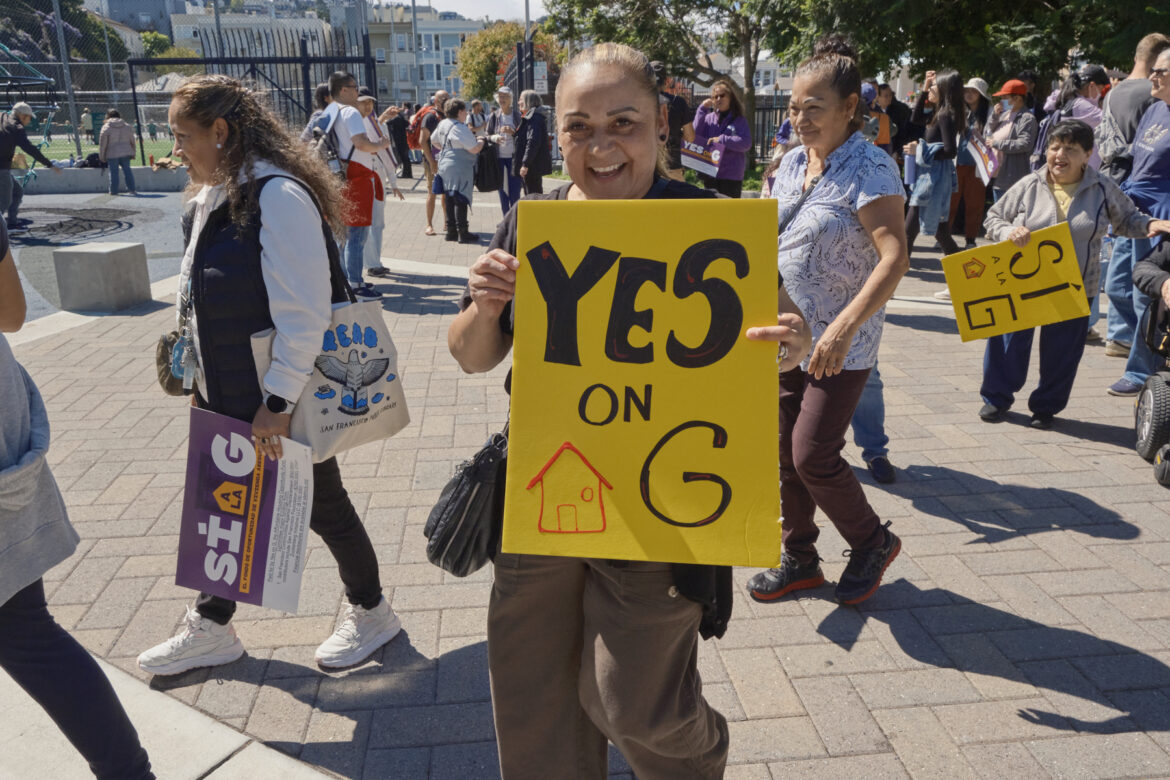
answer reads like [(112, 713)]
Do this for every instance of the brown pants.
[(814, 416), (973, 192), (582, 650)]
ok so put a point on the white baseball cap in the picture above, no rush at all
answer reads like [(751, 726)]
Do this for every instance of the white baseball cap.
[(977, 84), (22, 109), (504, 91)]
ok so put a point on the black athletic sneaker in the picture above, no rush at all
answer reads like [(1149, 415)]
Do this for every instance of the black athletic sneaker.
[(864, 571), (771, 584)]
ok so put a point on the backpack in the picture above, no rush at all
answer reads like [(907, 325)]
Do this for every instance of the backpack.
[(326, 145), (1040, 150), (414, 130), (1108, 138)]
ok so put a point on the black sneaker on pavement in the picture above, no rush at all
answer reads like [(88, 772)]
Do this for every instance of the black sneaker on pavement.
[(864, 571), (380, 271), (366, 292), (1041, 422), (990, 413), (771, 584), (882, 470)]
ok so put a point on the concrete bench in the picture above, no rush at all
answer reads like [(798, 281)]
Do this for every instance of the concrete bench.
[(103, 276)]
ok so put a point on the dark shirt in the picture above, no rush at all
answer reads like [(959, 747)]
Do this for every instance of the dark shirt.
[(941, 130), (901, 115), (12, 135), (398, 127), (678, 114), (429, 123)]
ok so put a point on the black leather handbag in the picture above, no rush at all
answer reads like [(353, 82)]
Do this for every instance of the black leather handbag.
[(463, 529), (487, 168)]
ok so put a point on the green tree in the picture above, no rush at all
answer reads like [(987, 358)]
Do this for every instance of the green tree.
[(155, 43), (685, 33), (485, 55), (994, 39), (180, 52)]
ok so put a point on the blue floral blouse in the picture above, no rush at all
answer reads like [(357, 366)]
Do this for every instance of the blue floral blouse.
[(825, 255)]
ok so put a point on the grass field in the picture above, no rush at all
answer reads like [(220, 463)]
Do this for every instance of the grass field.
[(62, 147)]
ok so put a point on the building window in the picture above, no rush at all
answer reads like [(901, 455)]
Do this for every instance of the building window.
[(446, 56), (383, 86), (418, 45), (400, 41), (403, 73), (380, 55), (435, 41)]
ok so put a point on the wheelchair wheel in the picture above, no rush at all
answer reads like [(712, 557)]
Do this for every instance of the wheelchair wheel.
[(1152, 416)]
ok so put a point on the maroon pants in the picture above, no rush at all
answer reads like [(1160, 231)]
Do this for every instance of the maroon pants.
[(814, 416), (973, 193)]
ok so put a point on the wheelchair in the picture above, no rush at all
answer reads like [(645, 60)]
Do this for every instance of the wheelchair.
[(1152, 408)]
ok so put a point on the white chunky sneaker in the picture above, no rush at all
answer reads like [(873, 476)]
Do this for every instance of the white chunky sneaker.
[(202, 642), (361, 633)]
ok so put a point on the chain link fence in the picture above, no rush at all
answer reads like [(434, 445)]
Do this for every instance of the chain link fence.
[(112, 65)]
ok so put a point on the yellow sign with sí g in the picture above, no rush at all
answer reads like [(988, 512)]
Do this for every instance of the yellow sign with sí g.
[(644, 425), (1002, 288)]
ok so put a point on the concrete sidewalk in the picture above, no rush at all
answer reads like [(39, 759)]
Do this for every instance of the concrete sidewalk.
[(1023, 632), (183, 743)]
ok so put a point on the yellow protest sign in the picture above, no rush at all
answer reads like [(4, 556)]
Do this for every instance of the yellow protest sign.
[(643, 424), (1001, 288)]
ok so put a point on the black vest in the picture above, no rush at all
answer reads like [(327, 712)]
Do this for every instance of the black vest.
[(230, 301)]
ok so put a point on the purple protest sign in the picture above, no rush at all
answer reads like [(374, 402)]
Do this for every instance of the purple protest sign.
[(245, 522)]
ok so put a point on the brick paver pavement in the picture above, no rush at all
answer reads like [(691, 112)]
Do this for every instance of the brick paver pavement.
[(1023, 632)]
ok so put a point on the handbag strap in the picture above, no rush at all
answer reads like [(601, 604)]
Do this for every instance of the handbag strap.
[(812, 185)]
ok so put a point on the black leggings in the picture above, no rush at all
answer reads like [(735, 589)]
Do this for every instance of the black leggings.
[(63, 678), (942, 233), (335, 520), (729, 187)]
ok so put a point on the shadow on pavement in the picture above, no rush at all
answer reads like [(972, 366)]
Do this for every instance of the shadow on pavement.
[(398, 698), (931, 322), (413, 294), (996, 511), (977, 638)]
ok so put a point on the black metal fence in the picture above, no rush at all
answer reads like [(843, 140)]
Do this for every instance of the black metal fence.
[(288, 82)]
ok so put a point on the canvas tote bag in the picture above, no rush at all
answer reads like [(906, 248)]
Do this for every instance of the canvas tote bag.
[(355, 394)]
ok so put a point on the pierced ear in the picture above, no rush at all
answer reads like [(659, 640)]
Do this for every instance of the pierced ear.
[(662, 137)]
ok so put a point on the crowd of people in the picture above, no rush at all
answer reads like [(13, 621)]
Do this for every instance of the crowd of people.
[(583, 652)]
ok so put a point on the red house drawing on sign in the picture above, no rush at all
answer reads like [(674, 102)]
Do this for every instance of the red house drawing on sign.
[(580, 483)]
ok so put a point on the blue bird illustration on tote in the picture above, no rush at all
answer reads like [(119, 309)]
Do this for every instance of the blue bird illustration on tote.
[(355, 377)]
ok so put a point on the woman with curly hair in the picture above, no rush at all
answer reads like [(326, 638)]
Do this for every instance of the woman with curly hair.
[(261, 255)]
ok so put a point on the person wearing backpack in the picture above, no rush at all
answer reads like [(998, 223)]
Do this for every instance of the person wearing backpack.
[(422, 125), (1125, 105), (363, 188), (1079, 97)]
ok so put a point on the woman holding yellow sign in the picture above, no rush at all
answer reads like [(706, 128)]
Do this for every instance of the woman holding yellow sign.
[(1065, 189), (584, 650)]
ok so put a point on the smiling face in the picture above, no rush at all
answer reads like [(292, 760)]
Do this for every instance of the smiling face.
[(195, 145), (1066, 161), (1160, 77), (608, 129), (971, 97), (819, 116)]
